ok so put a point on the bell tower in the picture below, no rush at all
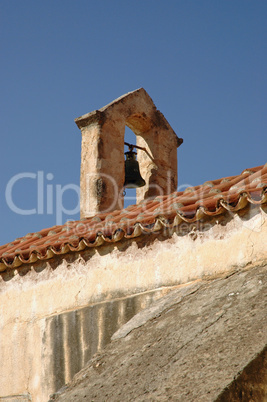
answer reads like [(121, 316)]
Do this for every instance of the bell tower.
[(102, 158)]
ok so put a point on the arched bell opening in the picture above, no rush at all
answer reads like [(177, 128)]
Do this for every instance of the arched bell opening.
[(130, 166)]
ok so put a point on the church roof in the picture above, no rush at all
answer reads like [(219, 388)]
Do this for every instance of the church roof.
[(213, 198)]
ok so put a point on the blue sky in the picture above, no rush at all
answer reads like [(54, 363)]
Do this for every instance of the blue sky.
[(203, 62)]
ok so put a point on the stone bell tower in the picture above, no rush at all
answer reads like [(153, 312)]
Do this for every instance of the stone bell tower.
[(102, 159)]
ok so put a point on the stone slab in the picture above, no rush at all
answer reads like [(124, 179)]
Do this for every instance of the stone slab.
[(195, 349)]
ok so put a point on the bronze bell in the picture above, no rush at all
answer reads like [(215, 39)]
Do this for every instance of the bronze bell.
[(133, 177)]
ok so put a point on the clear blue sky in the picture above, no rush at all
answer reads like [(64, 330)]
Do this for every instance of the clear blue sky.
[(203, 62)]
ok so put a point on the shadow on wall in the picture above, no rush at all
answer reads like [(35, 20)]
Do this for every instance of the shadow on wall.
[(71, 339), (251, 384)]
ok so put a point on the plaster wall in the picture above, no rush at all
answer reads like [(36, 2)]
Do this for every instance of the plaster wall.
[(56, 314), (40, 353)]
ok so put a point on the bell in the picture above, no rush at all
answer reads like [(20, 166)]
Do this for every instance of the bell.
[(133, 177)]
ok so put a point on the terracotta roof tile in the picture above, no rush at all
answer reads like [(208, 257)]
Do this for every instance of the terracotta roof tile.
[(210, 199)]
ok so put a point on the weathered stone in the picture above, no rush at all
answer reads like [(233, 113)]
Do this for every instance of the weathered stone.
[(17, 398), (208, 344)]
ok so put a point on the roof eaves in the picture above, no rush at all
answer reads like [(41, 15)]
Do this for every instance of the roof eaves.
[(214, 198)]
